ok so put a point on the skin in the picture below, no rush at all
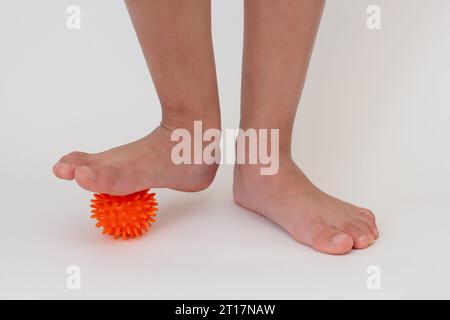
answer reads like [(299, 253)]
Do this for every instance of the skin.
[(278, 41)]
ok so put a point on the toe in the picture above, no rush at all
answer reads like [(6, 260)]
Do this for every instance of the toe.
[(367, 213), (329, 240), (95, 179), (362, 237), (64, 170), (86, 177), (367, 220), (366, 226), (73, 155)]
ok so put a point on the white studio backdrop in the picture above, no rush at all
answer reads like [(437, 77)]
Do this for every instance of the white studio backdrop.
[(373, 128)]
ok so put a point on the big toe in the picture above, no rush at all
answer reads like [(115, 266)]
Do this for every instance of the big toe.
[(95, 179), (329, 240)]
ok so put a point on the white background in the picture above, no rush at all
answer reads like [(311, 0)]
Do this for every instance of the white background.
[(373, 128)]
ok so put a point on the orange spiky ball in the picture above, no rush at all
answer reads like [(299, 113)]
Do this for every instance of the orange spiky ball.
[(124, 216)]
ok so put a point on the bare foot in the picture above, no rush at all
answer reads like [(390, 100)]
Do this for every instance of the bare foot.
[(311, 216), (145, 163)]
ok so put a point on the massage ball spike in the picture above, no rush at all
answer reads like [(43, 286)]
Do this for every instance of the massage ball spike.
[(124, 216)]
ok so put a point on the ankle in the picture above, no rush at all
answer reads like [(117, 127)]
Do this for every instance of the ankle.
[(268, 166), (173, 118)]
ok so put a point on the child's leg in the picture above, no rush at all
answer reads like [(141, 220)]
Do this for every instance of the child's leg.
[(175, 37), (279, 37)]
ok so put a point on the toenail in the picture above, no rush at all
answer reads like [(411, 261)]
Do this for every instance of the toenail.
[(90, 173), (61, 166), (337, 239)]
